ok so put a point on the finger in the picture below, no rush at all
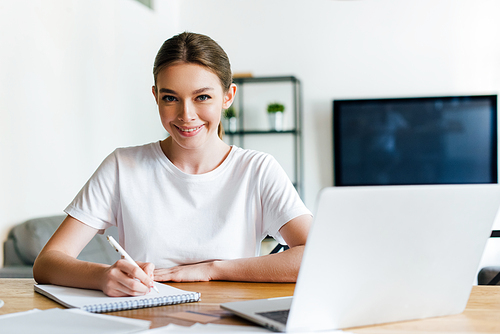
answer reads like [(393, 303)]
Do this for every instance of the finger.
[(118, 283), (148, 268), (135, 272), (128, 287), (133, 287)]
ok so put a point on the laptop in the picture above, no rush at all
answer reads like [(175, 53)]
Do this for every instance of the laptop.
[(384, 254)]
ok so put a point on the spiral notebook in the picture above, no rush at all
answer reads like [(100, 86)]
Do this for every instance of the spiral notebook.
[(97, 302)]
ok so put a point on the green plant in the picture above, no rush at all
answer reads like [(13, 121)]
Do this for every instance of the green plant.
[(229, 112), (275, 107)]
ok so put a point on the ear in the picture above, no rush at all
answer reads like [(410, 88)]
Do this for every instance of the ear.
[(154, 94), (229, 97)]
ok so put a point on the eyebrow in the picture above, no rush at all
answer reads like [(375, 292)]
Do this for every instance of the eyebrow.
[(198, 91)]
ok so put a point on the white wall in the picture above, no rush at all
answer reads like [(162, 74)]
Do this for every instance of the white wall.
[(75, 83)]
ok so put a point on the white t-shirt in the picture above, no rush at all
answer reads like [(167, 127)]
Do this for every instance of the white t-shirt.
[(168, 217)]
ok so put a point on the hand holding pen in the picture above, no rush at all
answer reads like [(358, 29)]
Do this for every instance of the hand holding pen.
[(125, 255)]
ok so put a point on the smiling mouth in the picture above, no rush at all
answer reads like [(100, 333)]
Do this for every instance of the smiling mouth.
[(189, 130)]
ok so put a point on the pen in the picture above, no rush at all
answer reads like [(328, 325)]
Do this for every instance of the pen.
[(127, 257)]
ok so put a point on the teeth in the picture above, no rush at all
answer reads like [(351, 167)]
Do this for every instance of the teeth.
[(190, 130)]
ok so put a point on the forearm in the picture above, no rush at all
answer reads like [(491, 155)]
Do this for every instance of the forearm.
[(279, 267), (55, 267)]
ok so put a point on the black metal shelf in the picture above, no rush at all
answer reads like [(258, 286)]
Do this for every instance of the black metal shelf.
[(260, 132), (289, 78), (294, 132)]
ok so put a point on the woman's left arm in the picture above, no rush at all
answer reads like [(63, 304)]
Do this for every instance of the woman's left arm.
[(279, 267)]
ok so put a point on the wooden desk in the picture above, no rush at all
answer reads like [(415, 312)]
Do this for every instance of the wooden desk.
[(482, 314)]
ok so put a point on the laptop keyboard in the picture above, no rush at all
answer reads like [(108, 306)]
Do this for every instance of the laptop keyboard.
[(279, 316)]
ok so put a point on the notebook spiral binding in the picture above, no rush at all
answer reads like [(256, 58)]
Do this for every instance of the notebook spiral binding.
[(141, 303)]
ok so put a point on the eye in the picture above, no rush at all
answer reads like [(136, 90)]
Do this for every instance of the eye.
[(203, 97), (168, 98)]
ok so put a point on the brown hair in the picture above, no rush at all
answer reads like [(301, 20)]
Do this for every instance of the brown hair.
[(198, 49)]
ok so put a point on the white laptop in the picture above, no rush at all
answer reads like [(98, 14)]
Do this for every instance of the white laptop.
[(383, 254)]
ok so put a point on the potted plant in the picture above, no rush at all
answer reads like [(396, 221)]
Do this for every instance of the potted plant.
[(230, 116), (275, 111)]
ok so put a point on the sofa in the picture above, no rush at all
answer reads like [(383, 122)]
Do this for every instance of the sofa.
[(27, 239)]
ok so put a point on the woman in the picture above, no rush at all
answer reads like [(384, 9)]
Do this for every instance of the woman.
[(191, 206)]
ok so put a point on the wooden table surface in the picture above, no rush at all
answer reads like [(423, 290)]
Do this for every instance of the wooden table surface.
[(482, 314)]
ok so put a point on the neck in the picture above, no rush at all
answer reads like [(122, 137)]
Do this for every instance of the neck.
[(196, 161)]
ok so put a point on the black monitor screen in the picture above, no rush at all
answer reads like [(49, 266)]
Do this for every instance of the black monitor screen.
[(433, 140)]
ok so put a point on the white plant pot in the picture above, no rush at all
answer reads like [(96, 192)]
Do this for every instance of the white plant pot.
[(233, 124), (230, 124), (276, 121)]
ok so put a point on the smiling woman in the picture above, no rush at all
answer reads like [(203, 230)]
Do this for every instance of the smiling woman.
[(191, 207), (190, 98), (197, 49)]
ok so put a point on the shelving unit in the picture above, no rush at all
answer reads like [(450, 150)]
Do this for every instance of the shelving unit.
[(253, 129)]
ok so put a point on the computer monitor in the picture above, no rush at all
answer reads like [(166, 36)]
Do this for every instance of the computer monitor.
[(425, 140)]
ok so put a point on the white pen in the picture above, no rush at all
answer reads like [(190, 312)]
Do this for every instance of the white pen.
[(127, 257)]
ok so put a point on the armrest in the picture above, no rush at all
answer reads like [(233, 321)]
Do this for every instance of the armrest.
[(30, 236), (26, 240), (16, 272), (10, 256)]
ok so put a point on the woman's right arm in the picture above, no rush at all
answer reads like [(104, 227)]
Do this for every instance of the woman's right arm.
[(57, 264)]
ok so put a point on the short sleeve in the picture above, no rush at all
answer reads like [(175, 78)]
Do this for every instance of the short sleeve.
[(97, 203), (280, 200)]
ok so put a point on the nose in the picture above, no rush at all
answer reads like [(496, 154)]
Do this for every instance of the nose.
[(186, 112)]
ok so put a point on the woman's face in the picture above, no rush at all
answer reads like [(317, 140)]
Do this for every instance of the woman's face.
[(190, 100)]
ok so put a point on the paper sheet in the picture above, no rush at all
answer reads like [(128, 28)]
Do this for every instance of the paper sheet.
[(208, 328), (215, 328), (63, 321)]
